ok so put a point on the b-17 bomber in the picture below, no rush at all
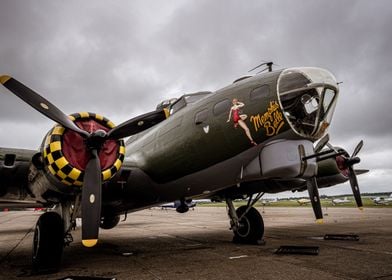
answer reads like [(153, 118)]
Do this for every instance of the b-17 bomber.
[(264, 133)]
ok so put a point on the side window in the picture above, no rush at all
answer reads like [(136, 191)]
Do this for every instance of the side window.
[(201, 116), (222, 107), (259, 92)]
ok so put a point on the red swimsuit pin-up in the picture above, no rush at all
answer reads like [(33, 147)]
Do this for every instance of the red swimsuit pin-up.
[(239, 119)]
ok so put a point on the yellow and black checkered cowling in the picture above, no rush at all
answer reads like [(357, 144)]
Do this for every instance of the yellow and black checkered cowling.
[(61, 168)]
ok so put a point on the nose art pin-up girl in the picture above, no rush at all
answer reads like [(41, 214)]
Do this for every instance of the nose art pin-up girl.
[(239, 119)]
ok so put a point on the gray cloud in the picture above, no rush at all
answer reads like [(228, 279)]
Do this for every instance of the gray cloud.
[(120, 58)]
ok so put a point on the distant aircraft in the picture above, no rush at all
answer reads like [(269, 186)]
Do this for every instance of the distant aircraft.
[(303, 201), (180, 206), (338, 201), (265, 133), (267, 201), (383, 200)]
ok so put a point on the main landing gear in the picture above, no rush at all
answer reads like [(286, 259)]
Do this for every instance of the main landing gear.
[(52, 233), (246, 222), (48, 243)]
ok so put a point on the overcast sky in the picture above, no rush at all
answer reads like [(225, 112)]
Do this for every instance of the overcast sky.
[(121, 58)]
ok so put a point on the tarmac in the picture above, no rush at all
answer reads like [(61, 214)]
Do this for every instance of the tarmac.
[(163, 244)]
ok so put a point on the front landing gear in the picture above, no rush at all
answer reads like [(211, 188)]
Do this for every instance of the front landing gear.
[(246, 223), (48, 243)]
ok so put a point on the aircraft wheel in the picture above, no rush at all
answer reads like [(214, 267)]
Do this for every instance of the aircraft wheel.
[(48, 243), (251, 227), (109, 222)]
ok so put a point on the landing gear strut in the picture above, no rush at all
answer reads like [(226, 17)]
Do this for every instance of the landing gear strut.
[(246, 222)]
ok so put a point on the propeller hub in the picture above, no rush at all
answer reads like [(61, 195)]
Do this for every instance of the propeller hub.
[(99, 133), (353, 160), (66, 153), (96, 139)]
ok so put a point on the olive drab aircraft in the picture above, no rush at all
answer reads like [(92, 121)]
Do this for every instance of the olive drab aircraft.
[(263, 133)]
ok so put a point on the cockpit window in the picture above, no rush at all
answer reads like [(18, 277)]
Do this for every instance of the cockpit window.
[(308, 98), (180, 103), (329, 103), (292, 80), (328, 98), (187, 99), (166, 103)]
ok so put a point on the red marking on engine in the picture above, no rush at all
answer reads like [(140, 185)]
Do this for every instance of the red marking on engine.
[(76, 152), (341, 163)]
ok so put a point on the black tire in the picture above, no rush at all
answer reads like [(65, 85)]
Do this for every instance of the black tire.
[(48, 243), (109, 222), (251, 229)]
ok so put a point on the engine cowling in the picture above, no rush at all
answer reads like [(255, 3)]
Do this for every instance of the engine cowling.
[(65, 155), (333, 171)]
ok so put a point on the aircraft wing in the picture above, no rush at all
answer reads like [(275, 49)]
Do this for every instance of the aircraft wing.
[(273, 186), (332, 180), (14, 172), (361, 171)]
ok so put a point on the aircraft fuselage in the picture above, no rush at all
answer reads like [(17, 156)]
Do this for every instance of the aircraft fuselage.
[(198, 150)]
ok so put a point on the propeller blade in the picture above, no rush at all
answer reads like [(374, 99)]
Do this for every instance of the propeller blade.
[(315, 199), (355, 188), (40, 104), (353, 177), (137, 124), (357, 148), (91, 201), (321, 144)]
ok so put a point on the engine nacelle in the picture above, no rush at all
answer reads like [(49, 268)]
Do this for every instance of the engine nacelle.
[(65, 154), (333, 171), (334, 166)]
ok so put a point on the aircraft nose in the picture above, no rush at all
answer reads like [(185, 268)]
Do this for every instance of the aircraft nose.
[(308, 97)]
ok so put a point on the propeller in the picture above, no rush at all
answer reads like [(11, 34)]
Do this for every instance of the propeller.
[(357, 148), (40, 104), (137, 124), (92, 182), (350, 162), (312, 186), (91, 201)]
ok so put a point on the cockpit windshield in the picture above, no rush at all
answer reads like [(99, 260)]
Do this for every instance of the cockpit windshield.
[(187, 99), (308, 97)]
